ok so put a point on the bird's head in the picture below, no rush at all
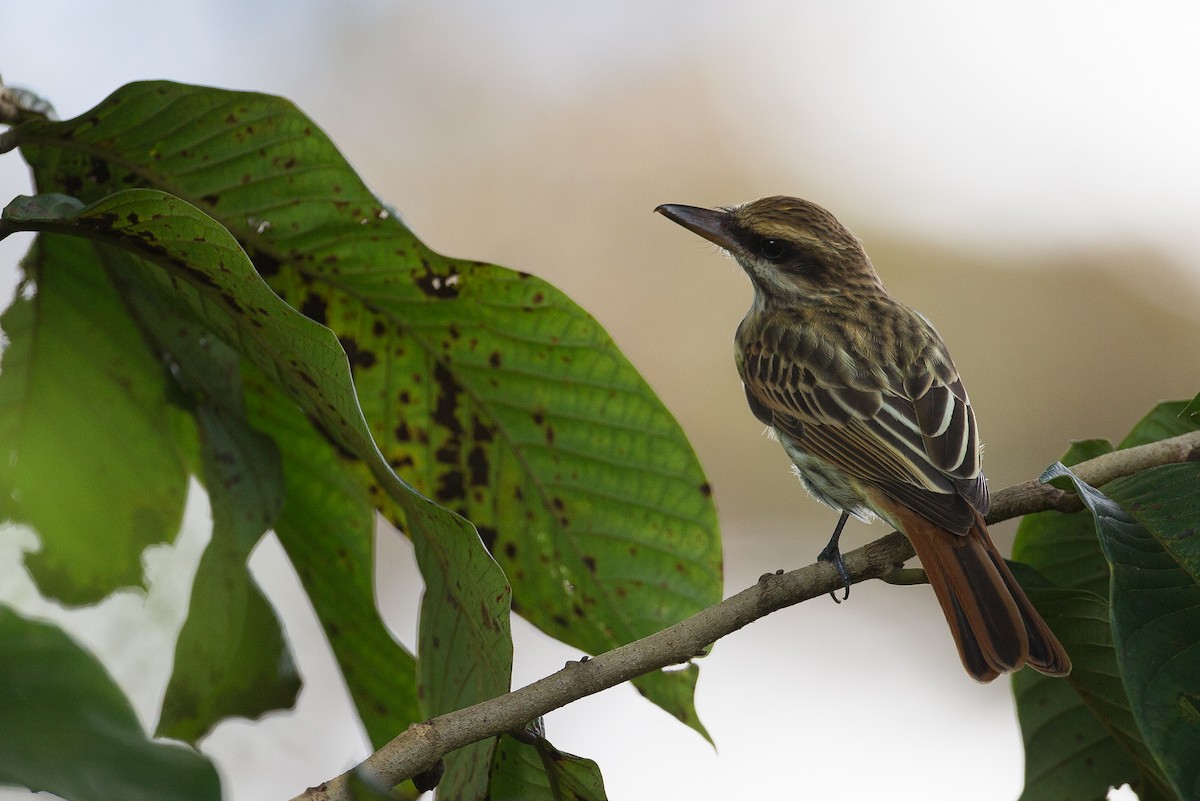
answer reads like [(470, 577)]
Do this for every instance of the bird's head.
[(792, 249)]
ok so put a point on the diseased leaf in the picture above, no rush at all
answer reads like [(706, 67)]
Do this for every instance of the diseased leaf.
[(326, 527), (204, 270), (86, 453), (231, 658), (488, 389), (67, 729), (465, 646)]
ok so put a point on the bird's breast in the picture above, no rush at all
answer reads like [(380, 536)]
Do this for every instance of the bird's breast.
[(826, 483)]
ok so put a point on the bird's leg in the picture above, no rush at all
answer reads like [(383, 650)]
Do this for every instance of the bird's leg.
[(832, 555)]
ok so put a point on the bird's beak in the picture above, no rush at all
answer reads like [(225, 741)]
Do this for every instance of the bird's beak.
[(712, 224)]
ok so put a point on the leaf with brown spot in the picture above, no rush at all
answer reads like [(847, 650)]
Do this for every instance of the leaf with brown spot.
[(307, 362), (326, 527), (618, 459)]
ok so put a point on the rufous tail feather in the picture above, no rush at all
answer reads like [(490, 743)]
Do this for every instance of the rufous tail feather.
[(995, 626)]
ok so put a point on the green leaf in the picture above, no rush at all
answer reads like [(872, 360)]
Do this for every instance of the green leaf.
[(1156, 597), (231, 658), (207, 271), (326, 527), (1165, 420), (489, 389), (537, 771), (674, 689), (1083, 449), (67, 729), (465, 646), (1154, 594), (1191, 412), (96, 492), (1069, 755), (1062, 547), (1080, 735)]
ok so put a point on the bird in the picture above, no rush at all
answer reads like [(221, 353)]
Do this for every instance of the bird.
[(862, 394)]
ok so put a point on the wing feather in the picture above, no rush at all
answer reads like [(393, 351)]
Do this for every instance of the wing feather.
[(913, 436)]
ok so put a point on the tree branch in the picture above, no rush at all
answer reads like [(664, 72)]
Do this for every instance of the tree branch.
[(420, 747)]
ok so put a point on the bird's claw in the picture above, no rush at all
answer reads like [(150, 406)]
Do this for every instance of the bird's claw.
[(833, 555)]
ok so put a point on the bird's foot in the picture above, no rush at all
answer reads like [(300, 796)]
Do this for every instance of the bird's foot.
[(832, 555)]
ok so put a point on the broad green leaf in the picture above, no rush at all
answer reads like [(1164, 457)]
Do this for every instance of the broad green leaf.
[(1191, 412), (1154, 595), (231, 658), (1165, 420), (86, 456), (1080, 735), (1081, 450), (326, 527), (488, 389), (537, 771), (67, 729), (1069, 755), (465, 646), (204, 269), (1156, 601), (1063, 547)]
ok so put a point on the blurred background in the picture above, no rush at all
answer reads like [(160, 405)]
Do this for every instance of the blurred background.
[(1026, 174)]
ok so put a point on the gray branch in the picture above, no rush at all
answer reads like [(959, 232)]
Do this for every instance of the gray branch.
[(418, 749)]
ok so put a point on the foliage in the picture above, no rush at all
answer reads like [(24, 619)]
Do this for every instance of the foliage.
[(1116, 583), (369, 373), (214, 292)]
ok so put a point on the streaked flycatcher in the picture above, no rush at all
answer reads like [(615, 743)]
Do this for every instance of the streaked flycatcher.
[(862, 394)]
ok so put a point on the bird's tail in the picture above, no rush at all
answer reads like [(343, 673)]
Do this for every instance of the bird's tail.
[(996, 628)]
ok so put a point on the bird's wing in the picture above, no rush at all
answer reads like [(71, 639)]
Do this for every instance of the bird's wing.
[(912, 436)]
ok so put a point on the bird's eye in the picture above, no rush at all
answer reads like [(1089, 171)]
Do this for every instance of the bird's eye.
[(773, 249)]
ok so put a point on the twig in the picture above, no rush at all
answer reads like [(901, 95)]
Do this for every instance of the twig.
[(423, 744), (20, 105)]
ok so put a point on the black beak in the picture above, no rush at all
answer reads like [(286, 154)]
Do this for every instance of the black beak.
[(712, 224)]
